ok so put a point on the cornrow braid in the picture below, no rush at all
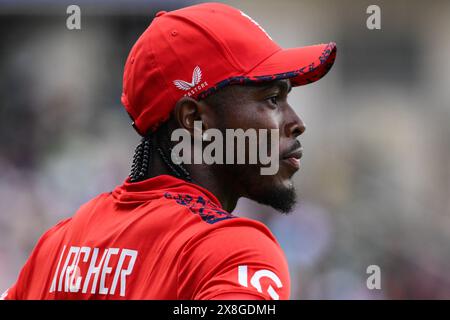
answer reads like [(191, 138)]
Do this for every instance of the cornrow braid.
[(142, 158), (176, 169)]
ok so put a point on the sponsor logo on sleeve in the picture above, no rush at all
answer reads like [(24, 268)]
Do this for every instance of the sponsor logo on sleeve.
[(255, 280)]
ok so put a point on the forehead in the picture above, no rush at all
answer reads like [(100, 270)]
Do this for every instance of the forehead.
[(248, 93), (244, 93), (284, 85)]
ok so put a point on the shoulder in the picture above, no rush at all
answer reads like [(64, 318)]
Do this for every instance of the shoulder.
[(199, 205), (238, 235), (39, 255), (47, 241), (235, 256), (52, 231), (219, 226), (216, 224)]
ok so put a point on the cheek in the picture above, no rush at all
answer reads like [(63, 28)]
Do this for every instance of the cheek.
[(257, 117)]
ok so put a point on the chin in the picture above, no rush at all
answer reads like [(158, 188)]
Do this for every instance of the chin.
[(278, 194)]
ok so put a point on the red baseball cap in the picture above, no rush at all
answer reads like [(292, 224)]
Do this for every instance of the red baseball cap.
[(197, 50)]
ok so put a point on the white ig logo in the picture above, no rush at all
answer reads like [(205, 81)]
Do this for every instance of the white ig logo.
[(255, 281)]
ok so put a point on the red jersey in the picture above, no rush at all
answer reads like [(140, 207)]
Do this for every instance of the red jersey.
[(161, 238)]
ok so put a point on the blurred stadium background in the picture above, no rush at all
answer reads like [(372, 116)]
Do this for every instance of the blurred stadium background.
[(375, 181)]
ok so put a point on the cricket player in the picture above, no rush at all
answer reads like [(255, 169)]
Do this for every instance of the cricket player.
[(167, 232)]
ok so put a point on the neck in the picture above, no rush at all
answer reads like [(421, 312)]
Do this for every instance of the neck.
[(206, 177), (202, 175)]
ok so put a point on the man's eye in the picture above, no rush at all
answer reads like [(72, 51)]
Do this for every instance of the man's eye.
[(273, 100)]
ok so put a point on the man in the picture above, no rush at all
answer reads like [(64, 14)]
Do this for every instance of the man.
[(167, 232)]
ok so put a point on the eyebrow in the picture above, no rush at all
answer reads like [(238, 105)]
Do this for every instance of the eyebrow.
[(282, 85)]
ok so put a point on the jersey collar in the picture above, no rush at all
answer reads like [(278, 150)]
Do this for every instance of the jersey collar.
[(156, 187)]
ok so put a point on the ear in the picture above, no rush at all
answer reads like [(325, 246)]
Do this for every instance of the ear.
[(188, 110)]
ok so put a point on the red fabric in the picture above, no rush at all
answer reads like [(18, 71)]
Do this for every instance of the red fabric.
[(196, 50), (161, 238)]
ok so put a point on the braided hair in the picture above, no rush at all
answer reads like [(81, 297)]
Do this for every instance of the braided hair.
[(142, 159)]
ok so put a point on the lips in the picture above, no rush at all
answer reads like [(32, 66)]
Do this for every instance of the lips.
[(292, 157), (296, 154)]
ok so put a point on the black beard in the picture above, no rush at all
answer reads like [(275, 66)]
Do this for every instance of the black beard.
[(281, 199)]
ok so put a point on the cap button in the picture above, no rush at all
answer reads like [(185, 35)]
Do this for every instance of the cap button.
[(160, 13)]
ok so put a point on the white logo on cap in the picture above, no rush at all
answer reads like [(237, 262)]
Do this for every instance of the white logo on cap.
[(196, 78)]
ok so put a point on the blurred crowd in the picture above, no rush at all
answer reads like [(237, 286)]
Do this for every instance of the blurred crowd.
[(374, 187)]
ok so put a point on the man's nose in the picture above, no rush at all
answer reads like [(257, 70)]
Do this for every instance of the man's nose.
[(295, 125)]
